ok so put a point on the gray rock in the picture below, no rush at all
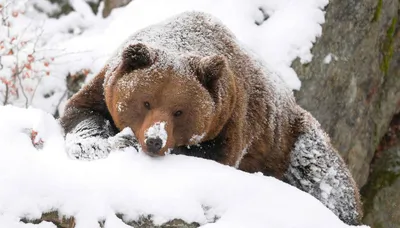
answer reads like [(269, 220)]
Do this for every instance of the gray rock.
[(144, 222), (109, 5), (355, 96), (381, 194)]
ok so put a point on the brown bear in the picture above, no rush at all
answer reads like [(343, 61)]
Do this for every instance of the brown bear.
[(187, 86)]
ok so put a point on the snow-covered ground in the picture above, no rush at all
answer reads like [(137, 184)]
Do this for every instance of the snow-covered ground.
[(129, 182)]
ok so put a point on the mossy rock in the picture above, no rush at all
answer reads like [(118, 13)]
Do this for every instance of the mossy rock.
[(355, 96), (381, 195), (378, 11), (387, 47)]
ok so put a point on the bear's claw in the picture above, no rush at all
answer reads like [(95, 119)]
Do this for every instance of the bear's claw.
[(91, 148), (123, 139)]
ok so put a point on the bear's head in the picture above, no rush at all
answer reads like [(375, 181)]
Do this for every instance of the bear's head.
[(170, 100)]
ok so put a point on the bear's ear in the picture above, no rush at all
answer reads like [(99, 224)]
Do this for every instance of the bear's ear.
[(136, 56), (210, 69)]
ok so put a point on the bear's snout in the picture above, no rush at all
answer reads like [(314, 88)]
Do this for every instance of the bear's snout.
[(155, 139), (154, 145)]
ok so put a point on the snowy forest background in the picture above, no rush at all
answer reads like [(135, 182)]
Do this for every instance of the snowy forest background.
[(341, 58)]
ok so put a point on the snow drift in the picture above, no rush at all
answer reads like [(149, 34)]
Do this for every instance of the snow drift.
[(34, 181)]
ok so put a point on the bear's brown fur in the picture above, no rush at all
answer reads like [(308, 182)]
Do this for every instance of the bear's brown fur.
[(217, 101)]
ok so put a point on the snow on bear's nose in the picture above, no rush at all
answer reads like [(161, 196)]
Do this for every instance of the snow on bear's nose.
[(156, 137)]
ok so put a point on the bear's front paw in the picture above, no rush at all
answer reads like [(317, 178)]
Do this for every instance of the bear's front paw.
[(90, 148), (123, 139)]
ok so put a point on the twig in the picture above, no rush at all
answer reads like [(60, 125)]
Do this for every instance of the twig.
[(56, 113), (17, 75), (33, 52), (6, 95), (37, 85)]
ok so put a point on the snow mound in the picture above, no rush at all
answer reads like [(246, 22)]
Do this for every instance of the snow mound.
[(34, 181)]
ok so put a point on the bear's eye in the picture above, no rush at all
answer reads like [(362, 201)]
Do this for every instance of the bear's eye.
[(146, 105), (177, 113)]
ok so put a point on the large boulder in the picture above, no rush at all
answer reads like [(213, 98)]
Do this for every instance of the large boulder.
[(352, 85)]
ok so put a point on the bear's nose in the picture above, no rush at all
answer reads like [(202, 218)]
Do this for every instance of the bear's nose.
[(153, 145)]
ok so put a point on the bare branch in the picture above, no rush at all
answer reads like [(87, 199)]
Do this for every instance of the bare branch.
[(18, 76), (37, 85), (56, 113), (6, 95)]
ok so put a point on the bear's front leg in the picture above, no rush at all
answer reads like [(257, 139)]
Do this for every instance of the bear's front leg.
[(231, 148), (93, 138), (88, 139), (89, 130)]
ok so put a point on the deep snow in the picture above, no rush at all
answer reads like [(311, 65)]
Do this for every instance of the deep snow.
[(196, 190)]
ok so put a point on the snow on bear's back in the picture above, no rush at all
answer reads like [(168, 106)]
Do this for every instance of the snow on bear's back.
[(192, 33), (199, 33)]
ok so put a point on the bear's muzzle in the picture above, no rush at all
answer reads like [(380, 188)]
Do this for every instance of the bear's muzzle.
[(154, 146)]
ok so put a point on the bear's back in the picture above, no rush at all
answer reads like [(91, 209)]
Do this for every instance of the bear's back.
[(191, 32), (198, 33)]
